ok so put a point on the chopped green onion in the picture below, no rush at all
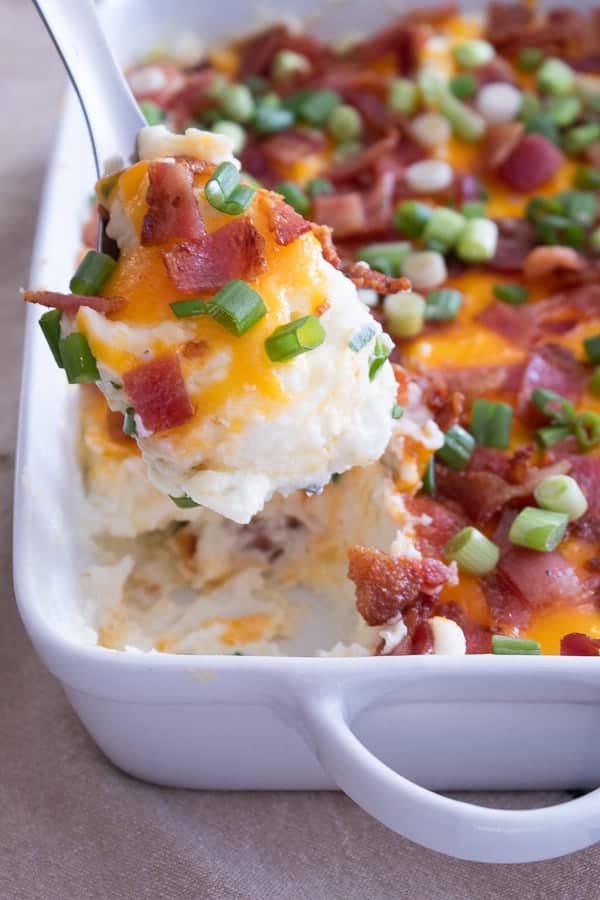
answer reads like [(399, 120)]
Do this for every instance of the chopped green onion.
[(552, 434), (530, 106), (246, 178), (196, 306), (183, 502), (444, 227), (411, 217), (225, 193), (538, 529), (580, 206), (237, 307), (269, 120), (317, 106), (152, 113), (129, 426), (587, 178), (294, 195), (529, 58), (503, 645), (594, 385), (397, 411), (473, 54), (473, 209), (473, 552), (426, 270), (237, 102), (442, 305), (466, 124), (511, 292), (579, 138), (555, 77), (404, 313), (257, 84), (564, 110), (591, 347), (117, 386), (553, 406), (431, 86), (595, 240), (457, 448), (542, 123), (78, 361), (270, 100), (295, 338), (234, 131), (463, 86), (429, 478), (315, 187), (344, 123), (394, 254), (561, 494), (381, 351), (361, 337), (346, 149), (478, 240), (403, 96), (92, 273), (587, 429), (539, 207), (554, 230), (287, 63), (50, 325), (491, 423)]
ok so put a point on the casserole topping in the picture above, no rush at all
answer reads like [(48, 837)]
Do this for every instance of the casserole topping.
[(463, 155)]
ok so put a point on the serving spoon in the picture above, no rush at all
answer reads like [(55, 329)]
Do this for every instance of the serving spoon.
[(112, 115)]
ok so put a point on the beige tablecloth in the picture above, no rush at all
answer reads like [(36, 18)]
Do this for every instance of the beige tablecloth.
[(72, 826)]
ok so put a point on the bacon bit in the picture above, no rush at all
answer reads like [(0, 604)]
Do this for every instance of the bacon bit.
[(323, 235), (196, 166), (234, 251), (364, 276), (344, 213), (553, 367), (577, 644), (545, 262), (256, 53), (531, 164), (402, 382), (194, 349), (586, 472), (403, 39), (434, 15), (516, 237), (507, 21), (473, 381), (509, 611), (387, 585), (364, 161), (436, 523), (114, 428), (498, 144), (520, 464), (285, 222), (172, 207), (419, 638), (287, 147), (477, 636), (71, 303), (507, 321), (186, 543), (158, 393), (497, 71), (189, 102), (447, 406)]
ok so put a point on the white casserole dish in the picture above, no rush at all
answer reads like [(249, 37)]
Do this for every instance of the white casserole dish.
[(376, 727)]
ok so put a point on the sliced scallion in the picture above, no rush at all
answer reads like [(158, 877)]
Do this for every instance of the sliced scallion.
[(397, 411), (403, 96), (587, 429), (295, 338), (591, 346), (294, 195), (381, 351), (317, 106), (411, 217), (478, 240), (78, 360), (92, 273), (587, 178), (511, 292), (404, 313), (491, 423), (552, 434), (578, 139), (393, 253), (361, 338), (465, 122), (504, 645), (474, 53), (237, 102), (152, 113), (555, 77), (129, 426), (457, 448), (473, 209), (552, 405), (580, 206), (50, 325), (562, 494), (538, 529), (429, 478), (271, 119), (443, 305), (444, 227), (472, 551), (529, 58), (315, 187), (183, 502), (225, 193), (594, 385), (463, 86)]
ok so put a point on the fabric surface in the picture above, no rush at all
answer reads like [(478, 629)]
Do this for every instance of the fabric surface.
[(71, 825)]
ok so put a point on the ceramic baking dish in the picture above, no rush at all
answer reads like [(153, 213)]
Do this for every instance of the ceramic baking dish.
[(388, 731)]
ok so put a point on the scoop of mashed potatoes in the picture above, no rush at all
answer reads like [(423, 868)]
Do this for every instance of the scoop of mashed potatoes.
[(219, 421)]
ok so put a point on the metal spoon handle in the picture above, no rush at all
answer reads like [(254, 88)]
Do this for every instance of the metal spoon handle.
[(112, 115)]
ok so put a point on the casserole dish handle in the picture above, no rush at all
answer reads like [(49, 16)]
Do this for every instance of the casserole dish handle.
[(449, 826)]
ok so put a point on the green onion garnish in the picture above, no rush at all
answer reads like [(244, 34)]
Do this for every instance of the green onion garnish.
[(503, 645), (50, 325), (361, 338), (529, 58), (511, 292), (579, 138), (538, 529), (595, 241), (564, 110), (403, 96), (457, 448), (587, 429), (555, 77), (317, 106), (445, 226), (152, 113), (591, 346), (544, 124), (580, 206), (491, 423), (472, 551), (225, 193), (594, 385), (78, 361), (465, 122), (344, 123), (235, 132), (554, 229), (587, 178), (472, 54), (392, 255), (237, 102), (473, 209), (237, 307), (381, 351), (294, 195), (463, 86), (411, 217), (530, 106), (429, 478), (442, 305), (477, 241), (397, 411), (129, 426), (315, 187), (183, 502), (553, 406), (562, 494), (552, 434), (92, 273), (270, 119), (295, 338), (404, 313)]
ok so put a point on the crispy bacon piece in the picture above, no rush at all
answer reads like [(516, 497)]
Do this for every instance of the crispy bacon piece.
[(546, 262), (344, 213), (437, 523), (531, 164), (577, 644), (286, 223), (258, 51), (158, 393), (364, 276), (323, 235), (71, 303), (516, 237), (287, 147), (509, 610), (498, 143), (387, 585), (365, 160), (473, 381), (402, 39), (510, 322), (585, 469), (172, 207), (192, 99), (234, 251), (507, 21), (555, 368)]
